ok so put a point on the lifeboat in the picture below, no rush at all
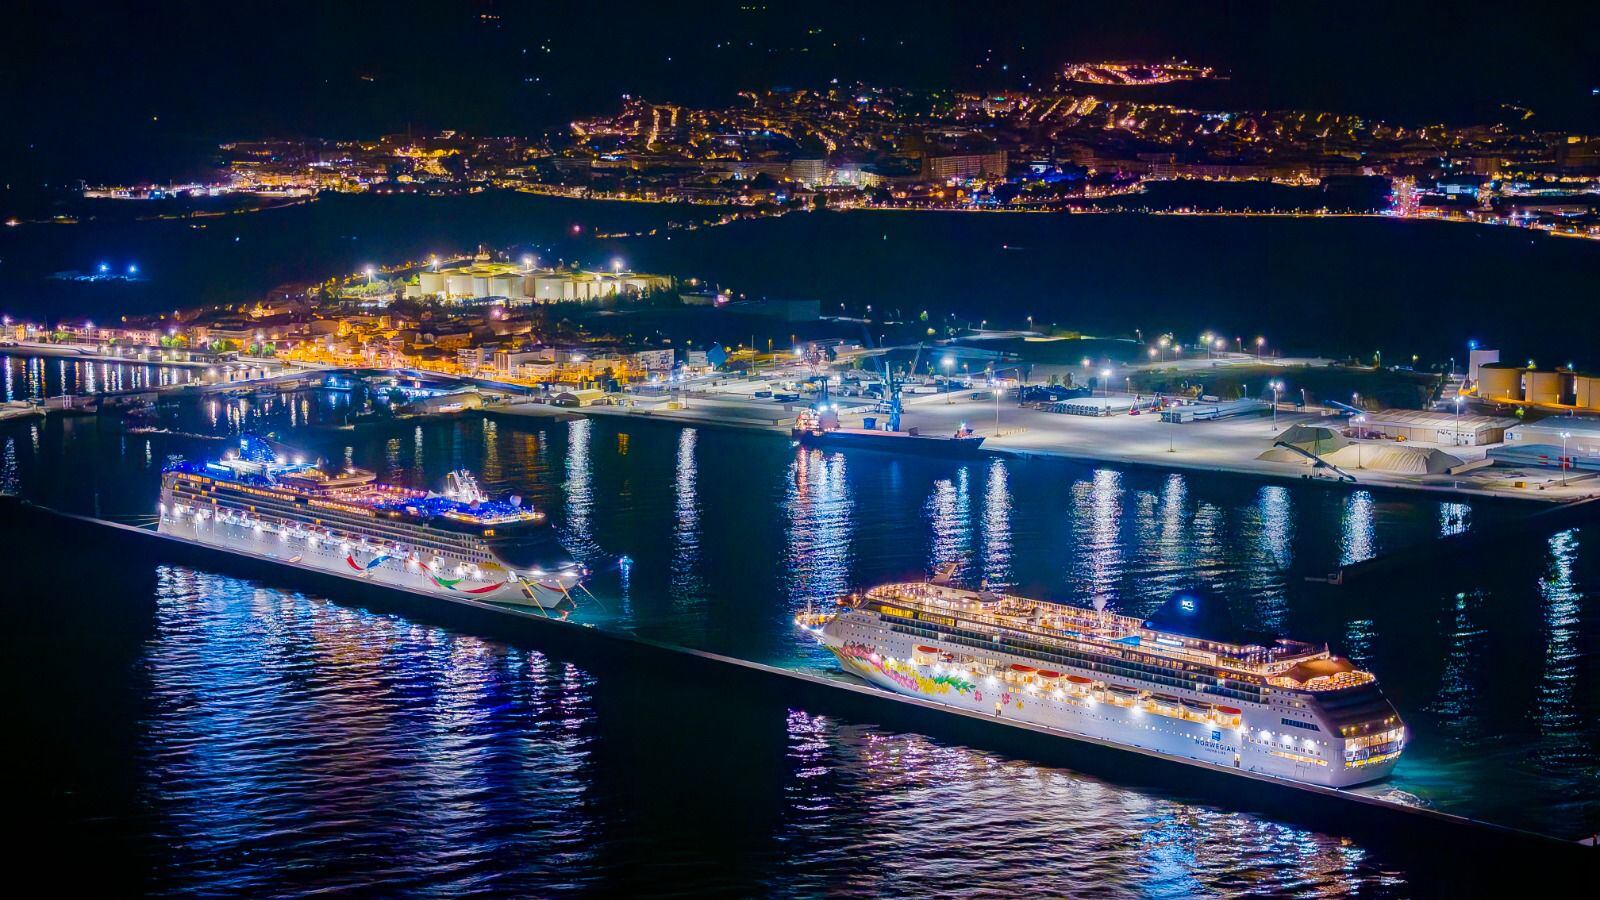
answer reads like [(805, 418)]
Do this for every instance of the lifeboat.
[(1196, 706), (1026, 670), (921, 649), (1118, 690), (1230, 711), (1079, 679), (1046, 673)]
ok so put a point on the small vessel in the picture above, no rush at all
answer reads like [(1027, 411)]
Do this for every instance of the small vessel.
[(263, 501), (1184, 683), (814, 428)]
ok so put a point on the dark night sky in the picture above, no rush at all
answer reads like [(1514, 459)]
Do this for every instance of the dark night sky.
[(122, 91)]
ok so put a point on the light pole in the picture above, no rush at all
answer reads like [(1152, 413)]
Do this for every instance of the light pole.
[(947, 362), (1276, 387), (1564, 436), (1260, 343), (1163, 342), (1105, 381), (1206, 339), (1458, 420), (996, 412)]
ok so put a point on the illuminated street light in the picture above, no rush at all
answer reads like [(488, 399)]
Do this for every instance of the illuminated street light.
[(1105, 375), (1276, 387), (947, 362), (616, 265), (370, 272), (1564, 436), (1260, 342)]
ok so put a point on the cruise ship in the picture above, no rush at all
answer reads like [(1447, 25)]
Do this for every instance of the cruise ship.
[(262, 501), (1185, 683)]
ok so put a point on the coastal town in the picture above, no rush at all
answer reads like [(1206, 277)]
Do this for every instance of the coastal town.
[(1095, 140)]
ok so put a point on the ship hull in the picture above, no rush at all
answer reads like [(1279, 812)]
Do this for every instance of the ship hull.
[(358, 562), (1073, 711), (890, 441)]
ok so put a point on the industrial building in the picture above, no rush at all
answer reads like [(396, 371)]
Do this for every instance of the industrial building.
[(1446, 429), (1509, 383), (1582, 435)]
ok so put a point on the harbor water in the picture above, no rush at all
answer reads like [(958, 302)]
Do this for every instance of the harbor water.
[(224, 734)]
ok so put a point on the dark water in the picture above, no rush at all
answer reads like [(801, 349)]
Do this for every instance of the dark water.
[(1329, 286), (229, 735)]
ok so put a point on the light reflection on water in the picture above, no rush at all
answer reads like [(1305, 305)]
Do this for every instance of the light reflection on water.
[(37, 377), (818, 509), (687, 586), (947, 821), (843, 521)]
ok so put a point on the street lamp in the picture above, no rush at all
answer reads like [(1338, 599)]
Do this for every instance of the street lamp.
[(370, 272), (1276, 387), (1206, 339), (1260, 342), (1163, 342), (996, 412), (1564, 436), (1458, 419), (1105, 381), (947, 362)]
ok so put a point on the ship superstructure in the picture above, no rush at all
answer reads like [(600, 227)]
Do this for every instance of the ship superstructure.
[(263, 501), (1184, 682)]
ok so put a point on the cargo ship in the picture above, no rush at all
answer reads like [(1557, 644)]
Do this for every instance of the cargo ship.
[(814, 429), (1184, 683), (262, 501)]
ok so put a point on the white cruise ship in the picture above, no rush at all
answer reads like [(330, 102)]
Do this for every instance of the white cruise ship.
[(1183, 683), (259, 501)]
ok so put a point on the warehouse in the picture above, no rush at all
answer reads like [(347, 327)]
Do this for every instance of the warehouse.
[(1445, 429), (1582, 435)]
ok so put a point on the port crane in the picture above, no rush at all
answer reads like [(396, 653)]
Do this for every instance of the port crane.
[(892, 380)]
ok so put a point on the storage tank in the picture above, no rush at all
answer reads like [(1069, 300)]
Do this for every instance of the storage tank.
[(432, 283), (1586, 390), (1500, 382), (459, 285), (1543, 387)]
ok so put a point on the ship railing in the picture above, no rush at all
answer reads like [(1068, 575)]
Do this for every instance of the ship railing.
[(936, 597), (1094, 632)]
